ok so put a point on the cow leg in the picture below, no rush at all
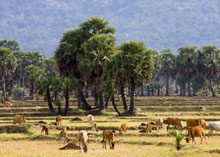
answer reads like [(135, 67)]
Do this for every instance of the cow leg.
[(168, 126), (204, 138), (193, 139)]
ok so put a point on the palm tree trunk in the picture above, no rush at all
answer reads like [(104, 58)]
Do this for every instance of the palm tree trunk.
[(115, 106), (148, 90), (67, 101), (184, 89), (101, 101), (3, 84), (177, 90), (10, 88), (49, 101), (123, 98), (189, 89), (194, 90), (96, 98), (131, 110), (211, 88), (32, 90), (142, 89), (167, 86), (83, 100)]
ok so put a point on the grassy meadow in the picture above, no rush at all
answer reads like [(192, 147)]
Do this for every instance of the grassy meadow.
[(26, 139)]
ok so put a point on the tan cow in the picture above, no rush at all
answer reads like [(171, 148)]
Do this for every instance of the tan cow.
[(19, 119), (82, 139)]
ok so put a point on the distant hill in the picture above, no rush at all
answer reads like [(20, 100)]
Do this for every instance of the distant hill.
[(160, 24)]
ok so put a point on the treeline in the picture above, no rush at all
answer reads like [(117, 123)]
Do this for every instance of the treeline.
[(87, 63)]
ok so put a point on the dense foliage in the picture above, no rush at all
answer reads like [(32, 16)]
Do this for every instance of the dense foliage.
[(38, 25)]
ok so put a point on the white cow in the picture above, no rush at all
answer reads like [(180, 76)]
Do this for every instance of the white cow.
[(92, 122), (213, 126), (82, 139)]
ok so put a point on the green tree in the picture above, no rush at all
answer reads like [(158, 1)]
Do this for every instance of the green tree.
[(97, 51), (209, 64), (186, 62), (71, 46), (168, 61), (10, 44), (7, 66), (138, 62)]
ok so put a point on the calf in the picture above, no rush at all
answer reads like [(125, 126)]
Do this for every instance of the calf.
[(82, 139), (59, 119), (148, 128), (63, 135), (45, 130), (123, 128), (19, 119), (173, 121), (195, 131), (159, 123), (213, 126), (108, 135)]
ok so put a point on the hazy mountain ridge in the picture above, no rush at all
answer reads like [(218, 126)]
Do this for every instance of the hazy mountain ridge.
[(39, 24)]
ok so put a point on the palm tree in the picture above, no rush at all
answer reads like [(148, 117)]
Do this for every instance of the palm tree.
[(7, 66), (138, 63)]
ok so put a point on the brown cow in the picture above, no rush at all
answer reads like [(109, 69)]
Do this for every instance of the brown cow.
[(123, 128), (196, 122), (108, 135), (45, 130), (195, 131), (148, 128), (173, 121), (19, 119), (59, 119)]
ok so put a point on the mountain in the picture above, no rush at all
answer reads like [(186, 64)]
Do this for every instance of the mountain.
[(38, 25)]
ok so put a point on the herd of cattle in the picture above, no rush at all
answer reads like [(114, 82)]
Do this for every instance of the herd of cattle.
[(195, 128)]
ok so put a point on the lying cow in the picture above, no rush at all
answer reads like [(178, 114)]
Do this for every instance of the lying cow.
[(19, 119)]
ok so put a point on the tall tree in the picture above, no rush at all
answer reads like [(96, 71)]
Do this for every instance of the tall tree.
[(71, 45), (186, 62), (138, 62), (209, 64), (7, 66), (168, 61)]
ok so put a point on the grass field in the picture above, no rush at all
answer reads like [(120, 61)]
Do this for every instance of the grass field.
[(28, 142)]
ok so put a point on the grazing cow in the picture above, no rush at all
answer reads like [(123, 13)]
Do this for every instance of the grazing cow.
[(148, 128), (19, 119), (159, 123), (59, 119), (108, 135), (45, 130), (195, 131), (82, 139), (213, 126), (63, 135), (173, 121), (123, 128), (92, 122)]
